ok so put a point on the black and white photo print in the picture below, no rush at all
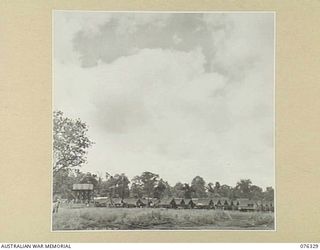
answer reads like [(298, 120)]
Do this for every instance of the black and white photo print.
[(163, 121)]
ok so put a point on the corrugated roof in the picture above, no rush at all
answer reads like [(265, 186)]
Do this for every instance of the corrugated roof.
[(83, 186)]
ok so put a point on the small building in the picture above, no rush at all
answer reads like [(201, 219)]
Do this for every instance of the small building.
[(178, 202), (116, 202), (233, 205), (101, 201), (203, 203), (265, 206), (181, 203), (83, 192), (167, 203), (130, 202), (246, 204), (223, 203), (141, 202), (189, 203)]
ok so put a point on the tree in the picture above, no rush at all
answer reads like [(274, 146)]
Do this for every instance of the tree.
[(149, 180), (269, 194), (178, 190), (160, 189), (62, 184), (243, 188), (255, 192), (136, 187), (70, 142), (198, 186), (90, 179), (116, 186), (99, 185), (188, 191), (225, 191), (122, 185), (168, 191), (217, 186)]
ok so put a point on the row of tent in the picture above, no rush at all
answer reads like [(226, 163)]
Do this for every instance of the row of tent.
[(242, 204)]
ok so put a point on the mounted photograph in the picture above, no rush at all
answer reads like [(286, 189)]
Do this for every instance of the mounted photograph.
[(163, 121)]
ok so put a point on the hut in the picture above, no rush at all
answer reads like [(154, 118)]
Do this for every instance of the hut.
[(265, 206), (130, 202), (152, 202), (260, 205), (203, 203), (182, 204), (218, 204), (101, 201), (246, 205), (189, 203), (155, 202), (141, 202), (167, 203), (227, 204), (116, 202), (145, 202), (83, 192), (233, 205), (221, 203)]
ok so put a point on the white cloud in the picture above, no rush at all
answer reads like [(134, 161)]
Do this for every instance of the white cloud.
[(67, 24), (160, 110)]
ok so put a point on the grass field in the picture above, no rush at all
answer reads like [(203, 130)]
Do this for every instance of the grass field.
[(159, 219)]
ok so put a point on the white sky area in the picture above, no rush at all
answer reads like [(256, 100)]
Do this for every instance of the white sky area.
[(177, 94)]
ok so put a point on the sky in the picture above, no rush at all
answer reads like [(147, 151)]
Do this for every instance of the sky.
[(177, 94)]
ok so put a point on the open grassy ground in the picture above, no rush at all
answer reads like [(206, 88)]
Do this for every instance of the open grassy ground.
[(159, 219)]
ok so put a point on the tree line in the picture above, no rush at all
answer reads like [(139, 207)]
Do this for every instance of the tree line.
[(150, 185), (70, 145)]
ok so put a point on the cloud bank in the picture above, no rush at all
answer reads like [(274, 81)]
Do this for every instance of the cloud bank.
[(176, 94)]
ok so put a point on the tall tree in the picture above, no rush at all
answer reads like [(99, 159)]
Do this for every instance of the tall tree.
[(62, 184), (225, 191), (243, 188), (178, 190), (217, 186), (149, 180), (70, 142), (255, 192), (160, 189), (136, 189), (122, 185), (198, 185), (168, 192), (269, 194), (188, 191), (116, 186)]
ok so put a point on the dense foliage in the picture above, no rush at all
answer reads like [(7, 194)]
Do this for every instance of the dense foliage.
[(149, 185), (70, 143)]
